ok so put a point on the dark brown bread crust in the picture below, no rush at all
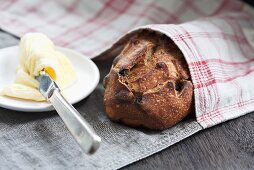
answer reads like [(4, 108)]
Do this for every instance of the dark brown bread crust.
[(149, 83)]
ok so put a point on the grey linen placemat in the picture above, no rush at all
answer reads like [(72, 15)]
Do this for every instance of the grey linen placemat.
[(41, 140)]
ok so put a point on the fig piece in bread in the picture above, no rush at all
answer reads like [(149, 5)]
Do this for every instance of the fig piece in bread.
[(149, 83)]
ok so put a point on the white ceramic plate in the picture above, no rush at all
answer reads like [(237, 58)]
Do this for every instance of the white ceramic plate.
[(87, 79)]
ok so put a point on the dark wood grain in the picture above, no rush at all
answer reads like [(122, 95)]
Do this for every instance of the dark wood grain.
[(226, 146)]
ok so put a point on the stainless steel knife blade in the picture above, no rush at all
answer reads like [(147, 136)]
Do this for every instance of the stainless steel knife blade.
[(46, 85), (80, 129)]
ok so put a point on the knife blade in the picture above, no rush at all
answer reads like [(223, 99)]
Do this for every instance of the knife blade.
[(80, 129)]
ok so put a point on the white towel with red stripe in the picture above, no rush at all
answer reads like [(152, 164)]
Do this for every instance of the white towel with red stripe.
[(220, 55), (90, 27), (219, 50)]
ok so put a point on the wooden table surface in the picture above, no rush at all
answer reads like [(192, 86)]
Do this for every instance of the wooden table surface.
[(229, 145)]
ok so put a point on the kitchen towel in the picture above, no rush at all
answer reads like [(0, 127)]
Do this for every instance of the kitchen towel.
[(90, 27), (218, 50)]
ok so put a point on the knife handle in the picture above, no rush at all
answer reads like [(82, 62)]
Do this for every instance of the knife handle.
[(77, 125)]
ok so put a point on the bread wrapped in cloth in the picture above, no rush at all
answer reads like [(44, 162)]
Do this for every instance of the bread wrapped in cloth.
[(149, 83)]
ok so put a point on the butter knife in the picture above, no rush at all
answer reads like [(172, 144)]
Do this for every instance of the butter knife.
[(82, 132)]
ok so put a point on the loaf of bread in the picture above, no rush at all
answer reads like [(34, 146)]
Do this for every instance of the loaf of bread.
[(149, 83)]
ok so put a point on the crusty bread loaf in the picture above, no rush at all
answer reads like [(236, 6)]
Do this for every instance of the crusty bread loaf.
[(149, 83)]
